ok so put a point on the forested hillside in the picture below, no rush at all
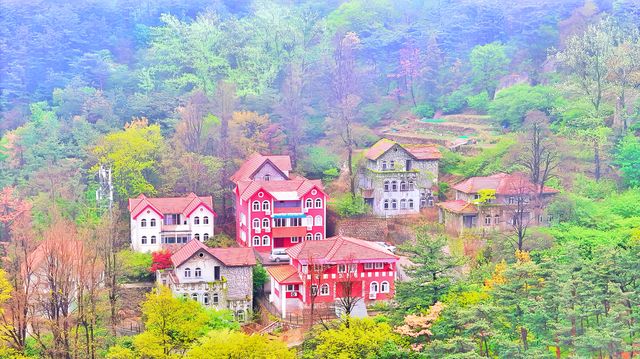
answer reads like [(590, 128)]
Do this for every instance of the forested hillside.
[(172, 96)]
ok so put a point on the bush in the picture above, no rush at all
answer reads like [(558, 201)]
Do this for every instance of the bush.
[(593, 189), (375, 111), (511, 105), (220, 240), (479, 102), (455, 101), (348, 205), (134, 266), (424, 111), (318, 160)]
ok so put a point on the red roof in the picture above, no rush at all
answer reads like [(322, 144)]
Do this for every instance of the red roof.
[(281, 190), (284, 274), (417, 151), (232, 257), (339, 249), (458, 206), (502, 183), (167, 205), (256, 161)]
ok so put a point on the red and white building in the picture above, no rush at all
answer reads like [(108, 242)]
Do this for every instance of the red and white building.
[(274, 208), (160, 222), (328, 268)]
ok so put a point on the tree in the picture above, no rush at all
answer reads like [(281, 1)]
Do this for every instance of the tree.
[(160, 260), (488, 64), (512, 104), (541, 157), (195, 122), (627, 156), (430, 272), (226, 344), (349, 296), (260, 277), (523, 204)]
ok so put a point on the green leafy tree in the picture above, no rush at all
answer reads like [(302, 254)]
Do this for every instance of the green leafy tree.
[(488, 64), (512, 104), (225, 344), (627, 156)]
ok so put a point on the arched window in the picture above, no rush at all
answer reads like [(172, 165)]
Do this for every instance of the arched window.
[(487, 220), (265, 223), (318, 236), (256, 241), (373, 287), (256, 223), (153, 222), (394, 204), (324, 289), (386, 185), (403, 204), (384, 165), (394, 186), (403, 186), (187, 272), (411, 186), (153, 239), (197, 236), (205, 220), (314, 289), (317, 221), (309, 221), (194, 296), (384, 287), (205, 237), (309, 236), (392, 165), (386, 204), (256, 206), (197, 273), (265, 205), (265, 240), (410, 203), (308, 203), (205, 298), (144, 239), (496, 219), (318, 203), (196, 220), (215, 299), (143, 223)]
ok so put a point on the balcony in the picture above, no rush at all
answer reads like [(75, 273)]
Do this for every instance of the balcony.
[(287, 210), (286, 232), (175, 228)]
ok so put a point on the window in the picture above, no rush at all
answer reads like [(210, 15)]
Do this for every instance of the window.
[(314, 289), (407, 165), (411, 186), (265, 206), (256, 241), (318, 236), (197, 273), (279, 222), (197, 236), (384, 287), (476, 196), (394, 204), (256, 206), (308, 203), (342, 268), (392, 165), (265, 240), (403, 204), (324, 289), (290, 288), (265, 223), (144, 239), (379, 265), (143, 223), (496, 219), (373, 287), (386, 204), (171, 219), (305, 268), (215, 299), (318, 203), (403, 186), (317, 221), (368, 266), (194, 296), (205, 220), (295, 239), (216, 273), (386, 185), (384, 165), (267, 177), (394, 186), (196, 220), (487, 220), (410, 203), (205, 237), (187, 272), (309, 236), (153, 222), (353, 268), (295, 222), (256, 223), (205, 298), (153, 239), (512, 200)]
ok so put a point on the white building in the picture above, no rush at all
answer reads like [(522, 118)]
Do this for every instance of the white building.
[(160, 222)]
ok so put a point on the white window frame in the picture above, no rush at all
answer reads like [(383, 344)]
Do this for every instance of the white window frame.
[(309, 237), (256, 223), (378, 265), (143, 222), (254, 239), (266, 223), (196, 220), (152, 222), (197, 273), (318, 236), (308, 203), (318, 203), (342, 268), (205, 220), (322, 290), (377, 286), (384, 287), (256, 206), (143, 240), (266, 206), (317, 221), (266, 241), (187, 272), (295, 239), (368, 266)]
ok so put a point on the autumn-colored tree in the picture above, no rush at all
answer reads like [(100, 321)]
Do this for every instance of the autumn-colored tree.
[(248, 131), (160, 260), (195, 124), (419, 325)]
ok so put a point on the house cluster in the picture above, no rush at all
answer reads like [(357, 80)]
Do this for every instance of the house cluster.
[(279, 212)]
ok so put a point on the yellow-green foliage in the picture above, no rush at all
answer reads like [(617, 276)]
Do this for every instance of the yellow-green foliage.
[(225, 344)]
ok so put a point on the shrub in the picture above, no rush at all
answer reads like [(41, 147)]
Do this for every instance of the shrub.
[(593, 189), (318, 160), (220, 240), (512, 104), (160, 260), (455, 101), (348, 205), (479, 102), (424, 111), (134, 266)]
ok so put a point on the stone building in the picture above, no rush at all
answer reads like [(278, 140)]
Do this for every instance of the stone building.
[(221, 278), (509, 197), (397, 179)]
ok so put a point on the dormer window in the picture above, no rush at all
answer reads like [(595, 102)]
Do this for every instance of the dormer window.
[(267, 177)]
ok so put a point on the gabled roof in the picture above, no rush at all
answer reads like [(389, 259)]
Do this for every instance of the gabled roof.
[(339, 249), (502, 183), (256, 161), (166, 205), (417, 151), (232, 257), (284, 274), (459, 206), (281, 190)]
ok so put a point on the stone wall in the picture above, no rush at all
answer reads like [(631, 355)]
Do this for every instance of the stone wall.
[(368, 228)]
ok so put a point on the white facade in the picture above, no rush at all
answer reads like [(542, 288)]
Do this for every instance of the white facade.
[(149, 232)]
